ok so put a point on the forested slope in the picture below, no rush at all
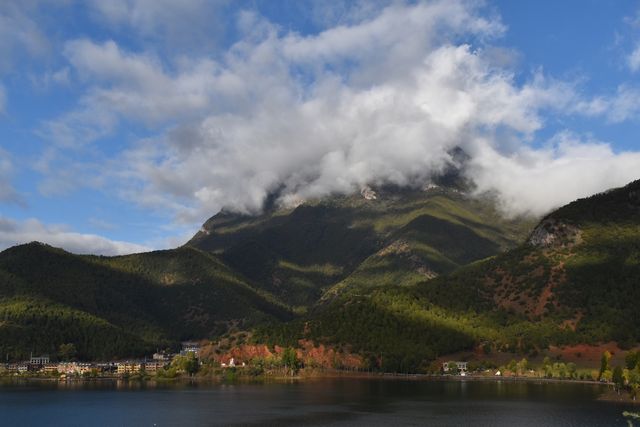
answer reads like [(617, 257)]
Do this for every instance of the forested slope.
[(389, 235), (120, 306), (575, 280)]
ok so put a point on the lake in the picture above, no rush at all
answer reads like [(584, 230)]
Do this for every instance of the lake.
[(322, 402)]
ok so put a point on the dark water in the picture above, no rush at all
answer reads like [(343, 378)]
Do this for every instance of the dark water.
[(333, 402)]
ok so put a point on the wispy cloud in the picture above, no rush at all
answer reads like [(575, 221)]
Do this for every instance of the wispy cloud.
[(618, 107), (633, 59), (102, 224), (188, 25), (8, 193), (20, 34)]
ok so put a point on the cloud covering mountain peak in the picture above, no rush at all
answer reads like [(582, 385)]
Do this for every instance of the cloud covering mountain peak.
[(381, 100), (181, 113)]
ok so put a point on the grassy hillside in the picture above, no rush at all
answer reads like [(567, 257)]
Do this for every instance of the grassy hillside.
[(574, 281), (120, 306), (401, 236)]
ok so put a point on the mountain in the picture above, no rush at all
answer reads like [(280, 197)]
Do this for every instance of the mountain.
[(383, 235), (399, 276), (574, 280), (121, 306), (240, 272)]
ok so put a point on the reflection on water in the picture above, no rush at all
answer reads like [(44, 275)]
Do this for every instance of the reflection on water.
[(335, 402)]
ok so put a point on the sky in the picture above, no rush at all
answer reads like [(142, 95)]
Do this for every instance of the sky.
[(125, 124)]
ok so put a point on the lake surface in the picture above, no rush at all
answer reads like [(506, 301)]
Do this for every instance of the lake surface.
[(330, 402)]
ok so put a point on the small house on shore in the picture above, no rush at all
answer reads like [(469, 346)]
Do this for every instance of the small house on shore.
[(460, 367), (190, 347), (39, 360)]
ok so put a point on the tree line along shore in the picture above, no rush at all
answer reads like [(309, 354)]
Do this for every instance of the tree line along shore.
[(191, 362)]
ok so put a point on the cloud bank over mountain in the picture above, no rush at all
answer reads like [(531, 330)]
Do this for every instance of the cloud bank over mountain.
[(380, 95), (379, 100)]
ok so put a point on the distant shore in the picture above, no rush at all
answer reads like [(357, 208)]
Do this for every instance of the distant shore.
[(459, 378), (304, 376), (608, 394)]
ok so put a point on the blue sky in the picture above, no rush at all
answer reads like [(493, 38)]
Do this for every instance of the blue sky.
[(125, 124)]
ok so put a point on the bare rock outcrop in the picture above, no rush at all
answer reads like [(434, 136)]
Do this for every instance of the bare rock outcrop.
[(552, 232), (368, 193)]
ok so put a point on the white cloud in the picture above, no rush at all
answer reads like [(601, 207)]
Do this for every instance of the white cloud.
[(377, 99), (138, 87), (18, 232), (533, 181), (621, 106), (633, 59), (144, 87), (625, 105), (399, 33)]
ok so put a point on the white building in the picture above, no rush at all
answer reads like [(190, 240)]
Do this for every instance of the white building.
[(190, 347), (461, 366), (40, 361), (161, 356), (73, 368)]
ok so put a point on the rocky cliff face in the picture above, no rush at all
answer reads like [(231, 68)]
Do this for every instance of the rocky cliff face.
[(553, 232)]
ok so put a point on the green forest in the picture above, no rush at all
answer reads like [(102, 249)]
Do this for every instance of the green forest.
[(401, 280)]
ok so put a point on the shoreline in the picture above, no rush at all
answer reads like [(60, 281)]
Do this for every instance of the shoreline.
[(315, 375), (608, 394)]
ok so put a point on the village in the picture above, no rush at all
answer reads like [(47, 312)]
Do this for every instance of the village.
[(227, 362), (43, 366)]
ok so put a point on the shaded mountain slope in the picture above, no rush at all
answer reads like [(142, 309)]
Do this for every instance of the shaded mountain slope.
[(122, 305), (241, 271), (389, 235)]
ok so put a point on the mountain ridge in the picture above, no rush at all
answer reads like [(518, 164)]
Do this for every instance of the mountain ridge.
[(574, 280), (400, 277), (342, 232)]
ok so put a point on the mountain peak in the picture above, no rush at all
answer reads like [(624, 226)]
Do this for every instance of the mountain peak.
[(34, 245)]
